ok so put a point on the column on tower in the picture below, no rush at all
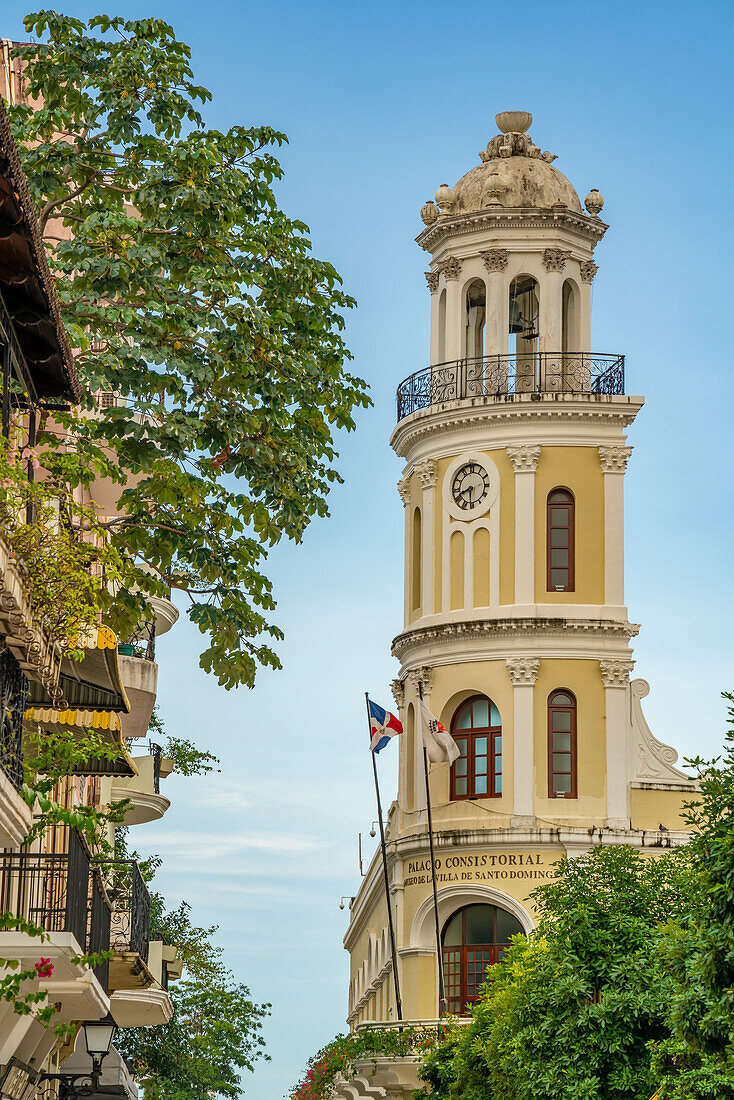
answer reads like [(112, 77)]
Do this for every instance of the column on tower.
[(523, 674), (615, 675), (614, 463), (525, 462)]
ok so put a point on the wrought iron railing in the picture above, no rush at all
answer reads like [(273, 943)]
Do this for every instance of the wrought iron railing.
[(154, 750), (141, 643), (501, 376), (59, 892), (13, 703), (130, 924)]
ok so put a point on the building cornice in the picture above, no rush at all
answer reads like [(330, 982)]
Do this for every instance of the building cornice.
[(552, 409), (559, 838), (530, 627), (446, 228)]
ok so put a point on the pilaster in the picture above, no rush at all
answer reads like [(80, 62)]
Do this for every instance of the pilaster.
[(451, 269), (523, 674), (404, 491), (615, 675), (495, 261), (525, 462), (426, 472), (614, 463)]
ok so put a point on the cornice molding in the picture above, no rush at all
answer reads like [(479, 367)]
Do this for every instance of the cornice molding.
[(523, 218), (523, 670), (614, 459), (524, 458), (464, 415), (555, 627)]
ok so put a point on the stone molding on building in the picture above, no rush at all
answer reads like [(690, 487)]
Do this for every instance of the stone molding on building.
[(587, 270), (404, 489), (432, 278), (523, 670), (421, 679), (524, 459), (554, 259), (426, 471), (546, 626), (451, 267), (495, 259), (615, 673), (398, 692), (490, 220), (614, 459), (653, 760)]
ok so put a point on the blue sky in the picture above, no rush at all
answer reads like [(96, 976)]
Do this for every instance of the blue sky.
[(382, 102)]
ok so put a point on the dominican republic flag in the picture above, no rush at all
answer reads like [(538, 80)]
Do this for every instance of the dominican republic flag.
[(384, 726)]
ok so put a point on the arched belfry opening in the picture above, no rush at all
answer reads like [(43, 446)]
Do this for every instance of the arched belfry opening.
[(475, 299), (524, 329)]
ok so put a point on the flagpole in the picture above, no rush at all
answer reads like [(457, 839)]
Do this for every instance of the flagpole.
[(396, 979), (439, 957)]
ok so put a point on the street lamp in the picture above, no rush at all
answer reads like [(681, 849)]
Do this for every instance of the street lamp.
[(98, 1038)]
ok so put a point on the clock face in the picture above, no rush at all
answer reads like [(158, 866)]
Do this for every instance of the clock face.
[(470, 485)]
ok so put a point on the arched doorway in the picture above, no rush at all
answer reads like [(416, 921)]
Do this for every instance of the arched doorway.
[(474, 938)]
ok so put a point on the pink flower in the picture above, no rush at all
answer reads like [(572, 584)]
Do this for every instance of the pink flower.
[(44, 968)]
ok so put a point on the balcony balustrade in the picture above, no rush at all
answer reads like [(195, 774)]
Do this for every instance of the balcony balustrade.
[(13, 703), (503, 377), (60, 892)]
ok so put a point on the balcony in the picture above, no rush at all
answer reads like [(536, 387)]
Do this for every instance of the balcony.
[(129, 925), (139, 673), (63, 894), (143, 791), (506, 377)]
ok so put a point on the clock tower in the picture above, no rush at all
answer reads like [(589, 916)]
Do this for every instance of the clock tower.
[(515, 629)]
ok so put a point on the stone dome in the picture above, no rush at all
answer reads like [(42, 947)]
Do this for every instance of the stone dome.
[(514, 173)]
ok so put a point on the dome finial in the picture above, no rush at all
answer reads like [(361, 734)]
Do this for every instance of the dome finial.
[(514, 122)]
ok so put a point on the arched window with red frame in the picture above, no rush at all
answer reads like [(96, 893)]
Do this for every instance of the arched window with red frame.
[(474, 938), (560, 540), (477, 731), (562, 755)]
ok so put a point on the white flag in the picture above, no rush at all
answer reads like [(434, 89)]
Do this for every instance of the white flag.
[(440, 745)]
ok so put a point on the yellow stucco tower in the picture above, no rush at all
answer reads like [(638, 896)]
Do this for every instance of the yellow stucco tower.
[(515, 624)]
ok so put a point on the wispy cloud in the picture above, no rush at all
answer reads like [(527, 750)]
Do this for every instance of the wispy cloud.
[(214, 845)]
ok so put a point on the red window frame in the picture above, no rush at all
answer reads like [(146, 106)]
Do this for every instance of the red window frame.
[(465, 965), (560, 528), (480, 762), (562, 744)]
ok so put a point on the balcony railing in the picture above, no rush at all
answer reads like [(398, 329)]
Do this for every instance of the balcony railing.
[(498, 377), (141, 643), (13, 703), (59, 892), (130, 925)]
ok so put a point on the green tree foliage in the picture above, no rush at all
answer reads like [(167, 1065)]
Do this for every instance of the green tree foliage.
[(698, 1058), (571, 1012), (189, 293)]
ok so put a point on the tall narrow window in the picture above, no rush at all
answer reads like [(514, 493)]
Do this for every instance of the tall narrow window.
[(417, 579), (474, 938), (477, 730), (560, 541), (562, 745)]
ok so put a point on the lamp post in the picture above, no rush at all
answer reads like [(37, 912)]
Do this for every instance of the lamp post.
[(98, 1038)]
